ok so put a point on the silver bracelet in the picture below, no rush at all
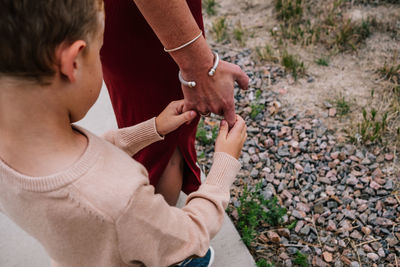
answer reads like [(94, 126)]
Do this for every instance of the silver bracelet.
[(211, 72), (189, 84), (184, 45), (214, 67)]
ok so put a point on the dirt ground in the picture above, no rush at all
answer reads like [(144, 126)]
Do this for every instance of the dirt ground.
[(351, 74)]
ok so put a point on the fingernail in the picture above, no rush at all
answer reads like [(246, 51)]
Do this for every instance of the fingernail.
[(192, 114), (223, 122)]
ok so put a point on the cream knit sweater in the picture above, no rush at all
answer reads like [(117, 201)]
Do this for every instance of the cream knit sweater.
[(102, 211)]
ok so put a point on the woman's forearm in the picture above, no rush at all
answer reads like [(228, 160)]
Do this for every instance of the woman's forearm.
[(173, 23)]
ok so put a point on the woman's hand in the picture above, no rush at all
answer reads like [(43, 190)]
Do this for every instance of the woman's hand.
[(231, 141), (214, 94), (172, 117)]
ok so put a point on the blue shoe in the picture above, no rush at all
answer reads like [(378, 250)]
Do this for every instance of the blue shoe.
[(205, 261)]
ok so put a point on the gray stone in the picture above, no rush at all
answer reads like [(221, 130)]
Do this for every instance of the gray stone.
[(349, 214), (352, 180), (254, 173), (245, 158), (305, 230), (373, 256)]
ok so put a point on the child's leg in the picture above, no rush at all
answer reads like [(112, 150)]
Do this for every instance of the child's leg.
[(170, 182)]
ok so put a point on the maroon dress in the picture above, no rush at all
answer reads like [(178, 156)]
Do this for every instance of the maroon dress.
[(142, 80)]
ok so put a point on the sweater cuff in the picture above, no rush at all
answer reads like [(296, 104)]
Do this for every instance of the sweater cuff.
[(141, 135), (223, 171)]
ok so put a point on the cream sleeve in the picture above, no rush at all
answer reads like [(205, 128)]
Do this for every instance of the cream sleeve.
[(155, 234), (135, 138)]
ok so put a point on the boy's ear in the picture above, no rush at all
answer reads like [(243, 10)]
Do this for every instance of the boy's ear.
[(68, 58)]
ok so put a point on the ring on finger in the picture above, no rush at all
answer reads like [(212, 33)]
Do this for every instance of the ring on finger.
[(205, 114)]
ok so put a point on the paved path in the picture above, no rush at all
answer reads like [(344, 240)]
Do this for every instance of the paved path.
[(17, 249)]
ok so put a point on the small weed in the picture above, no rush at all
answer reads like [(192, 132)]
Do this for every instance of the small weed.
[(289, 10), (209, 6), (292, 64), (263, 263), (371, 129), (254, 210), (391, 71), (220, 28), (255, 110), (342, 106), (258, 94), (349, 34), (292, 225), (238, 33), (266, 53), (301, 259), (322, 61), (206, 135), (202, 155)]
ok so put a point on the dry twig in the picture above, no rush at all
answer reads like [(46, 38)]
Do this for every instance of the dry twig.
[(353, 245), (367, 242), (316, 230)]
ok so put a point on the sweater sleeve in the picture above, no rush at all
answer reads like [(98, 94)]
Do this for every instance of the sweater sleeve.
[(135, 138), (155, 234)]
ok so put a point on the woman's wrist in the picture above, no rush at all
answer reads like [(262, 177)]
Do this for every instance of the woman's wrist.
[(195, 58)]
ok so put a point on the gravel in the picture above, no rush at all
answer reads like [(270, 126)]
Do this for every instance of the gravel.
[(348, 192)]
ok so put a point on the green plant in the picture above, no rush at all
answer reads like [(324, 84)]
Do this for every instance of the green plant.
[(292, 225), (263, 263), (371, 129), (220, 28), (254, 210), (205, 135), (342, 106), (391, 71), (209, 6), (266, 53), (322, 61), (238, 33), (256, 109), (301, 259), (350, 34), (292, 64), (289, 10)]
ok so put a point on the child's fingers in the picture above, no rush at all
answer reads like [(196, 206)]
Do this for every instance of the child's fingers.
[(223, 129), (185, 117), (176, 106), (239, 126)]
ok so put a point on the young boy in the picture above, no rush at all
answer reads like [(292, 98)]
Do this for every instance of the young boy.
[(81, 197)]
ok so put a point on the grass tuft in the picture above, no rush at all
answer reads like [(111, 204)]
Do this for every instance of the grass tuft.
[(239, 34), (266, 53), (263, 263), (322, 61), (254, 210), (292, 65), (210, 7), (342, 106), (301, 259), (220, 29)]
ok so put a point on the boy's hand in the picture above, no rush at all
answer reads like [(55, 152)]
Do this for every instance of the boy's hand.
[(231, 141), (172, 117)]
